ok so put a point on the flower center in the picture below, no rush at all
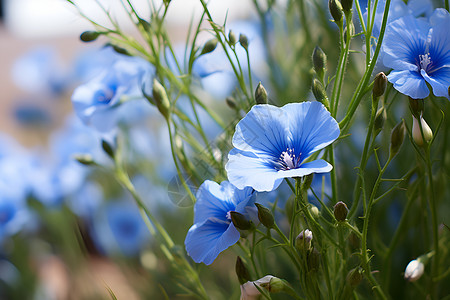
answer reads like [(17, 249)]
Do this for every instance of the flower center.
[(228, 215), (425, 61), (288, 160)]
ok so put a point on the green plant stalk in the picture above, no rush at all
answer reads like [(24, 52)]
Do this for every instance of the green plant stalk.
[(334, 186)]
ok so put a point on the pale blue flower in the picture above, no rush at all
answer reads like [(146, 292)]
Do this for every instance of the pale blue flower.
[(272, 143), (213, 231), (419, 53)]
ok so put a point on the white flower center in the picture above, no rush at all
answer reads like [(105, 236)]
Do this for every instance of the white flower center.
[(287, 160), (425, 61), (228, 215)]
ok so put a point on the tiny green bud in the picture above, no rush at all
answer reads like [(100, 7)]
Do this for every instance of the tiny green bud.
[(347, 5), (232, 40), (355, 276), (265, 216), (160, 98), (417, 134), (336, 11), (231, 102), (314, 211), (416, 106), (303, 240), (241, 271), (397, 137), (380, 118), (240, 221), (340, 211), (209, 46), (108, 149), (308, 181), (243, 40), (89, 36), (261, 94), (275, 285), (379, 85), (120, 50), (313, 260), (85, 159), (319, 92), (319, 60), (146, 25)]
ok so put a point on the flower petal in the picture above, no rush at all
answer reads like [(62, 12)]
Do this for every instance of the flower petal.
[(206, 240), (247, 169), (263, 130), (409, 83), (440, 81), (311, 126), (315, 166)]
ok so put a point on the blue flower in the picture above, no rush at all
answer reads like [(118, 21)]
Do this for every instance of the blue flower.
[(272, 143), (419, 53), (213, 231)]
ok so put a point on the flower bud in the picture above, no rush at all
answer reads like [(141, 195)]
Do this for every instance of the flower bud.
[(319, 92), (336, 11), (145, 24), (397, 137), (89, 36), (108, 148), (417, 134), (232, 40), (120, 50), (241, 271), (85, 159), (416, 106), (313, 260), (314, 211), (303, 240), (275, 285), (414, 270), (261, 94), (209, 46), (355, 276), (231, 102), (380, 118), (340, 211), (243, 40), (347, 5), (249, 290), (240, 221), (319, 62), (379, 85), (160, 98), (265, 216)]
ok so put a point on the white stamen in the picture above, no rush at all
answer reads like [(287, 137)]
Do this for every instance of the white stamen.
[(228, 216), (425, 61)]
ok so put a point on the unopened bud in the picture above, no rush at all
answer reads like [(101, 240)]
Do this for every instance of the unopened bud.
[(319, 62), (417, 134), (397, 137), (120, 50), (380, 118), (145, 24), (160, 98), (355, 276), (314, 211), (379, 85), (231, 102), (89, 36), (340, 211), (275, 285), (242, 271), (232, 40), (243, 40), (303, 240), (347, 5), (319, 92), (209, 46), (108, 148), (416, 106), (313, 260), (85, 159), (308, 181), (336, 11), (261, 94), (414, 270), (240, 221), (265, 216)]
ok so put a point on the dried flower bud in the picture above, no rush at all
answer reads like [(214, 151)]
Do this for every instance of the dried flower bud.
[(319, 60), (89, 36), (417, 134), (347, 5), (240, 221), (414, 270), (243, 40), (241, 271), (336, 11), (340, 211), (160, 98), (209, 46), (379, 85), (397, 137), (303, 240), (261, 94), (232, 40), (265, 216), (319, 92), (355, 276)]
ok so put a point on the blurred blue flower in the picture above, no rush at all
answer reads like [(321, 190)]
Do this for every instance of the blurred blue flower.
[(419, 53), (272, 143), (213, 231), (96, 102), (118, 228)]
